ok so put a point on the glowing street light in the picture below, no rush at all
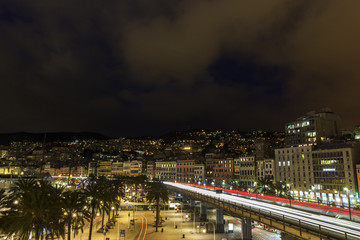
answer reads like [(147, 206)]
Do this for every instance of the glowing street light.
[(348, 197), (288, 185)]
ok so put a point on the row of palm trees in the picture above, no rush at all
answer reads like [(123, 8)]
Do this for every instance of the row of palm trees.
[(266, 186), (37, 209)]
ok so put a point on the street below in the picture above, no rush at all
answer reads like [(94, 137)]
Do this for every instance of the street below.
[(171, 228)]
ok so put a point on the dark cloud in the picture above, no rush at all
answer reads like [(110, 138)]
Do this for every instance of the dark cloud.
[(141, 67)]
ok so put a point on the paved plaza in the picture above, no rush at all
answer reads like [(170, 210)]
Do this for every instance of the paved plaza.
[(144, 228)]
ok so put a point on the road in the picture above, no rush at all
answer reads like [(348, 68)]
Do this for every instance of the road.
[(329, 223)]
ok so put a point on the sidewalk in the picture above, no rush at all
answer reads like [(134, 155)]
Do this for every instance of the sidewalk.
[(114, 233)]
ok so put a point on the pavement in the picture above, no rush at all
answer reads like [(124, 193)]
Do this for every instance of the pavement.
[(144, 229)]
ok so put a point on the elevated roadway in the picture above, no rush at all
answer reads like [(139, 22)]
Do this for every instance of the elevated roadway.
[(299, 223)]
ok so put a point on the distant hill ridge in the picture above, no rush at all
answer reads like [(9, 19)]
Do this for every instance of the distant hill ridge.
[(7, 138)]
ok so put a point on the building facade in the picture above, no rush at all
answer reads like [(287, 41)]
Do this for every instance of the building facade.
[(199, 173), (325, 173), (165, 170), (265, 169), (117, 168), (150, 169), (294, 167), (313, 128), (185, 171), (223, 171), (245, 167)]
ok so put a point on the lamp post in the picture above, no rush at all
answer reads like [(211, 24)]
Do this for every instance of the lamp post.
[(194, 219), (348, 197), (118, 234), (213, 228), (288, 185), (181, 205), (128, 220), (134, 209)]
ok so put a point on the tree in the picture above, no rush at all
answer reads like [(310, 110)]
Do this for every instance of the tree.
[(239, 186), (75, 211), (34, 209), (4, 199), (118, 190), (93, 192), (156, 191), (281, 190), (264, 185)]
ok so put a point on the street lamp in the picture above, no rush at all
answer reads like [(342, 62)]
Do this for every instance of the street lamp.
[(348, 197), (288, 185), (213, 227)]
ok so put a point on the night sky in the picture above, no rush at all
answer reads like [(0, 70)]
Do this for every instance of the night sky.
[(146, 67)]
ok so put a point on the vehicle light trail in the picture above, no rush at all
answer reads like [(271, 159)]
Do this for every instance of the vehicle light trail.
[(330, 224)]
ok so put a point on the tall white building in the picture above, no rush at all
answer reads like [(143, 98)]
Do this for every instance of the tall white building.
[(325, 172), (294, 167)]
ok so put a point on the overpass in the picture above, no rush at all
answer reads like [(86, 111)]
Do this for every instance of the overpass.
[(301, 224)]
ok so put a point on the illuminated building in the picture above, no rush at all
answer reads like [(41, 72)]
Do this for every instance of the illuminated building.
[(199, 173), (245, 170), (166, 170), (150, 169), (313, 128), (320, 172), (185, 170), (224, 170)]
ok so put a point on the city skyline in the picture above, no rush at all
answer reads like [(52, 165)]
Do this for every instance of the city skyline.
[(135, 68)]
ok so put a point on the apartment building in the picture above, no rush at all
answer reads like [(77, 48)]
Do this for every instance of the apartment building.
[(185, 170), (199, 173), (265, 169), (165, 170), (313, 128), (245, 170)]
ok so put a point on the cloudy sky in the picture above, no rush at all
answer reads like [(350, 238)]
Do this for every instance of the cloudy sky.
[(140, 67)]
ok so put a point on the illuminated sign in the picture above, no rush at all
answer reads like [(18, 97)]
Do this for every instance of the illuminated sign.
[(329, 169)]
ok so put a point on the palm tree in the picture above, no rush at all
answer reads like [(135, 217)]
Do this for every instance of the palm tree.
[(239, 186), (23, 186), (118, 191), (93, 192), (282, 190), (75, 211), (4, 198), (107, 197), (137, 181), (156, 191), (35, 206), (4, 204), (264, 185)]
